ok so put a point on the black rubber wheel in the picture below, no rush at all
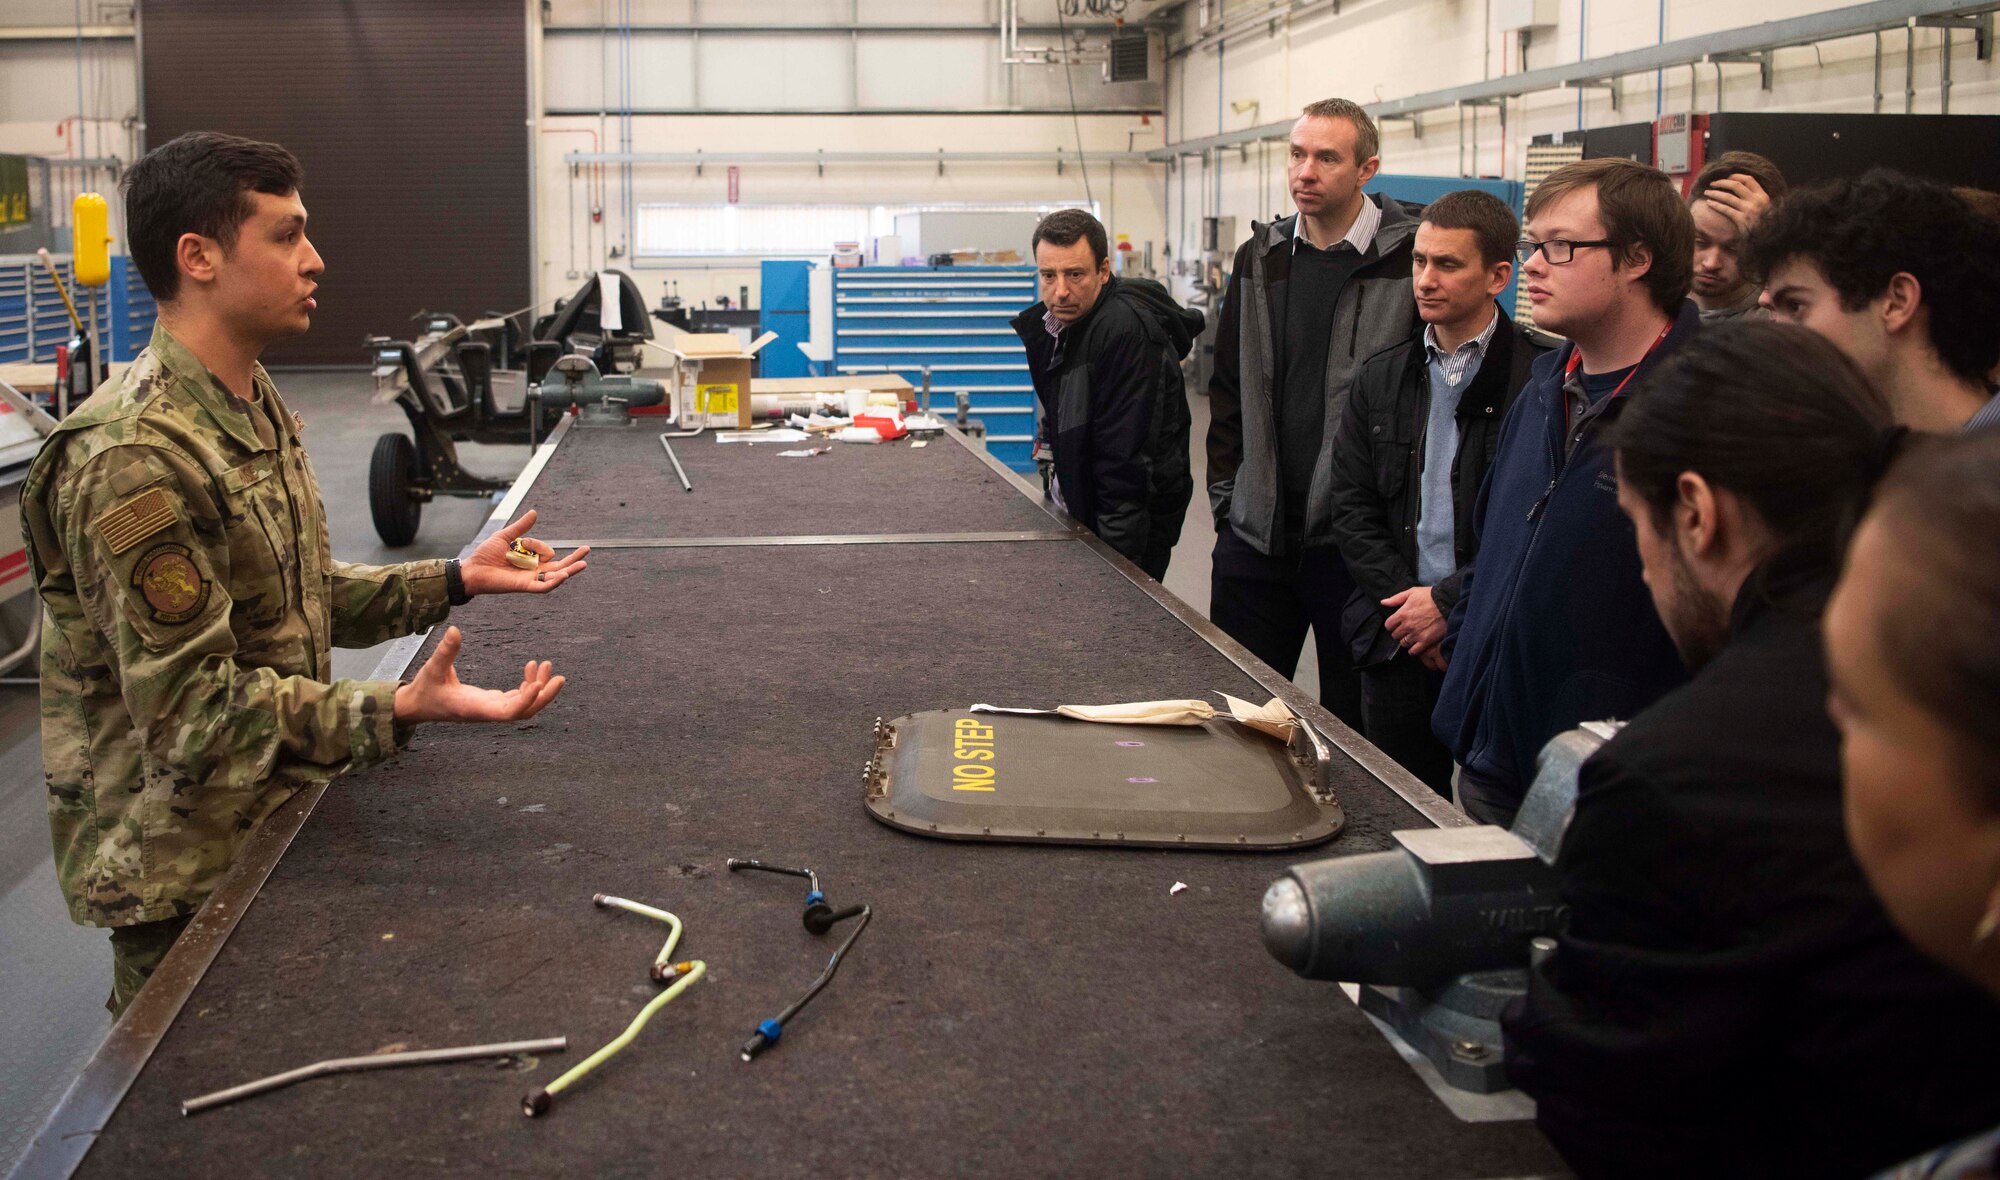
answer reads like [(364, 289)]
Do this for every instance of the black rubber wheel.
[(391, 472)]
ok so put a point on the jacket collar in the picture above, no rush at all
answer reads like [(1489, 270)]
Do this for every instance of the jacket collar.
[(1396, 227), (1799, 580), (1487, 394), (1686, 322), (1031, 319), (229, 411)]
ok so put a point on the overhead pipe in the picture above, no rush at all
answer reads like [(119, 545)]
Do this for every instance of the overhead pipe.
[(700, 158), (1262, 17), (1853, 20), (1012, 54)]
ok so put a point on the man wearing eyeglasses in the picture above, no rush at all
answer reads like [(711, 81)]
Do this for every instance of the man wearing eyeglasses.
[(1555, 625)]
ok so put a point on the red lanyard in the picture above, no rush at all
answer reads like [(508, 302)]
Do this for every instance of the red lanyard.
[(1576, 361)]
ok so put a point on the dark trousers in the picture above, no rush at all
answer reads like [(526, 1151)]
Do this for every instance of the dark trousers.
[(1266, 604), (1396, 702), (1488, 800)]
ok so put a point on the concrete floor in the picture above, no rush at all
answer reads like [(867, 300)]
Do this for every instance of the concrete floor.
[(53, 974)]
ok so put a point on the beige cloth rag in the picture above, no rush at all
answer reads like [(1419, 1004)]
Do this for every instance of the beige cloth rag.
[(1143, 712), (1273, 717)]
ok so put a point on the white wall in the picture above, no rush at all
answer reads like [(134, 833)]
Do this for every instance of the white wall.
[(683, 69), (1130, 195), (1376, 50), (39, 93)]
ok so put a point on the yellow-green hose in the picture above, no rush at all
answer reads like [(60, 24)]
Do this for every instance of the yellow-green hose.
[(664, 968)]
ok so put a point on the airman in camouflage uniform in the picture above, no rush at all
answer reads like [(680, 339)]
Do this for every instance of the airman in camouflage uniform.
[(190, 602), (190, 599)]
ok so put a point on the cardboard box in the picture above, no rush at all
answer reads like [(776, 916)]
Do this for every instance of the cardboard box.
[(713, 378)]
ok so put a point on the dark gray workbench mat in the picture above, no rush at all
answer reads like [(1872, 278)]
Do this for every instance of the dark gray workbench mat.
[(1012, 1010), (605, 482)]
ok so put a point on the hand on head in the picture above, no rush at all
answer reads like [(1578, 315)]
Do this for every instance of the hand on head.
[(1739, 198)]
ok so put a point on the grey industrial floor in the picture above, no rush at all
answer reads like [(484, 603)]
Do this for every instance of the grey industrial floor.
[(54, 975)]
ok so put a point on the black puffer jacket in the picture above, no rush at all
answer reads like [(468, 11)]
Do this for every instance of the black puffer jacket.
[(1114, 410), (1378, 464)]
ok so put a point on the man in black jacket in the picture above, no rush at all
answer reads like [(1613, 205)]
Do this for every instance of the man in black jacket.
[(1310, 297), (1729, 998), (1105, 356), (1409, 455)]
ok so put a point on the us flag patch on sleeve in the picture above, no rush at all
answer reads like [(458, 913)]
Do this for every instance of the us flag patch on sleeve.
[(136, 519)]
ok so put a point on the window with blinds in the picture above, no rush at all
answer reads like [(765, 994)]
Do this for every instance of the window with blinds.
[(669, 230)]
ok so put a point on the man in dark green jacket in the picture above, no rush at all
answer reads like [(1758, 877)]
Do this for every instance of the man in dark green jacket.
[(1105, 356)]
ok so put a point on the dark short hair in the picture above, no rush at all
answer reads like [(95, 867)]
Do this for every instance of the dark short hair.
[(1486, 215), (198, 183), (1367, 143), (1065, 227), (1941, 641), (1749, 164), (1774, 413), (1640, 207), (1862, 233)]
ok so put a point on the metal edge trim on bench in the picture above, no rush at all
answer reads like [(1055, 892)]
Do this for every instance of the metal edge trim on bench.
[(827, 539)]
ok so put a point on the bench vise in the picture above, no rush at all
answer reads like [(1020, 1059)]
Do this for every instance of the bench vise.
[(1439, 933), (599, 400)]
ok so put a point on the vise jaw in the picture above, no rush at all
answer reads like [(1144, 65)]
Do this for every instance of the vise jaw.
[(1439, 931), (600, 400)]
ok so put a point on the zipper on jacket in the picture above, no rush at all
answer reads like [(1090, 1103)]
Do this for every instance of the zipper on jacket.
[(1535, 513), (1556, 465)]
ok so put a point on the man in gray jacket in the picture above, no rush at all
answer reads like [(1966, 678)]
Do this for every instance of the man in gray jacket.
[(1311, 296)]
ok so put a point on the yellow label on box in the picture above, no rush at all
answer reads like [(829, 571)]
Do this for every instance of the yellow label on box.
[(715, 399)]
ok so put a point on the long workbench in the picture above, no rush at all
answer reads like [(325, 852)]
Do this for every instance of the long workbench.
[(1012, 1009)]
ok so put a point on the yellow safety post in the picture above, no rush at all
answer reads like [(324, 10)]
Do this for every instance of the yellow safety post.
[(90, 266), (90, 246)]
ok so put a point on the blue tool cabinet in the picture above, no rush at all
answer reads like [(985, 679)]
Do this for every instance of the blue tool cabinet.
[(953, 321), (785, 308), (33, 323)]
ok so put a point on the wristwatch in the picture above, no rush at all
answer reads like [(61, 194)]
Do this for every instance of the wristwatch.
[(454, 584)]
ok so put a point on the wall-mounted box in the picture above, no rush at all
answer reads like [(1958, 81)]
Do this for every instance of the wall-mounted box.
[(1514, 16)]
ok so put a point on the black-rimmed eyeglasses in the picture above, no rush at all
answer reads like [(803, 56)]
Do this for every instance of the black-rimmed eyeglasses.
[(1558, 251)]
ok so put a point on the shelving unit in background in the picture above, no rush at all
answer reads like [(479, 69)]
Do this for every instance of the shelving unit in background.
[(33, 323), (953, 320)]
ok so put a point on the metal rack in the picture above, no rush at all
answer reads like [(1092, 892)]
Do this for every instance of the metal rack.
[(951, 324), (33, 322), (1751, 43)]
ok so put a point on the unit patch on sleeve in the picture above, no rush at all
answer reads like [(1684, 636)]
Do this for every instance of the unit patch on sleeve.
[(170, 583), (135, 520)]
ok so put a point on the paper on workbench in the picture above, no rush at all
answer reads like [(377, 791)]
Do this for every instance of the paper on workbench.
[(780, 435)]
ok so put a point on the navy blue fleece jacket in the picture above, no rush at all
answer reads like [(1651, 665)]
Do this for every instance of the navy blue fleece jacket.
[(1555, 626)]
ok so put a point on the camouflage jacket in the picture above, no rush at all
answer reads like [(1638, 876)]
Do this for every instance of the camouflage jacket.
[(190, 602)]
